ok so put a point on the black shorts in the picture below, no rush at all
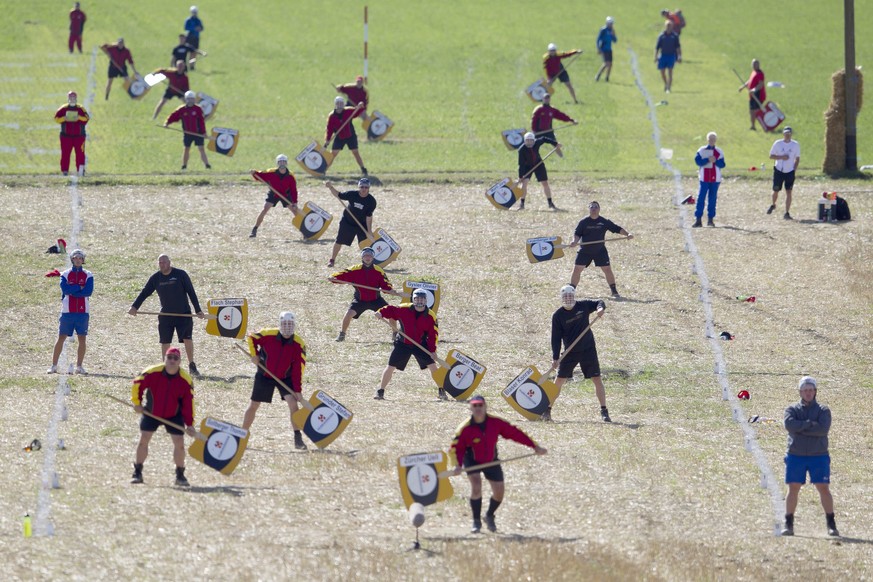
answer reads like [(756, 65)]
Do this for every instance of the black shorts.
[(273, 199), (600, 257), (265, 386), (188, 139), (780, 178), (170, 93), (351, 142), (587, 362), (401, 353), (193, 41), (494, 473), (563, 76), (607, 56), (360, 307), (116, 72), (541, 173), (348, 233), (167, 324), (149, 424), (754, 103)]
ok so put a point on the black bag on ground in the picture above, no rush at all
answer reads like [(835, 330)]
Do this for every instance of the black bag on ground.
[(842, 212)]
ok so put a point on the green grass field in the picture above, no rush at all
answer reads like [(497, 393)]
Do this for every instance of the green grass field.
[(452, 78)]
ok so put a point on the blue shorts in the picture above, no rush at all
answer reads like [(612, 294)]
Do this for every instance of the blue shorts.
[(666, 61), (73, 322), (818, 467)]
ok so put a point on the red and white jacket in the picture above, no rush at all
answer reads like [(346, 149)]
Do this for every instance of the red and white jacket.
[(76, 288)]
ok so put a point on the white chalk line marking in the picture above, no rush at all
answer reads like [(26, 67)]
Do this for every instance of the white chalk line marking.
[(768, 478)]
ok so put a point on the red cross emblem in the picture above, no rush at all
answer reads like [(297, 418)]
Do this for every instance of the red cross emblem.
[(321, 417), (531, 392), (425, 479)]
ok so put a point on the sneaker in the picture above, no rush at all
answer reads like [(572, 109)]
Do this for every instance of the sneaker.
[(616, 295), (192, 368), (771, 209), (364, 171), (489, 523), (298, 442), (340, 337), (330, 263), (81, 370), (208, 167), (442, 394), (787, 216), (521, 204), (596, 78), (181, 481), (52, 370), (697, 223), (184, 167), (552, 204), (379, 395), (832, 531), (254, 232), (787, 530), (136, 479), (604, 414), (547, 415), (477, 526), (710, 222)]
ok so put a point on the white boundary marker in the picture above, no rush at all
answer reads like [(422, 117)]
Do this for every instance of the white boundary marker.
[(768, 478)]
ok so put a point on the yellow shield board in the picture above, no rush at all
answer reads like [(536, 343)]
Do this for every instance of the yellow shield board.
[(231, 317), (312, 221), (530, 393), (223, 141), (513, 138), (432, 290), (544, 248), (314, 159), (325, 422), (136, 87), (420, 480), (537, 90), (377, 126), (504, 193), (224, 445), (462, 377), (385, 249)]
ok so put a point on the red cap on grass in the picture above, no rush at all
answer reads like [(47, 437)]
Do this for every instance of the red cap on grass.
[(743, 395)]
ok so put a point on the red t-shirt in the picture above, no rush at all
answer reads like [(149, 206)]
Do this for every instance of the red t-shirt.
[(191, 117), (117, 55), (552, 64), (167, 395), (754, 79), (284, 184), (542, 117), (372, 276), (355, 94), (72, 128), (419, 325), (77, 21), (336, 120), (284, 357), (178, 81)]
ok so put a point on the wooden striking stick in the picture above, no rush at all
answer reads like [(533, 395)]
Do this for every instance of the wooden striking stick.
[(397, 293), (485, 465), (343, 126), (197, 434), (295, 395), (571, 346), (370, 235), (204, 316), (751, 92), (595, 242), (442, 363), (276, 192), (542, 161), (556, 128), (209, 137)]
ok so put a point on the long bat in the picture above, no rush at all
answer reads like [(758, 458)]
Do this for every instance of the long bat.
[(433, 355), (332, 280), (358, 222), (197, 434), (556, 128), (293, 394), (485, 465), (752, 93), (594, 242), (209, 137), (542, 161), (571, 346), (343, 126), (276, 192), (204, 316)]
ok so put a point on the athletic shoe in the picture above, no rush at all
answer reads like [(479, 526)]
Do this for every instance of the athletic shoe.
[(787, 216), (442, 394), (208, 167), (181, 481), (697, 223), (341, 336), (787, 530), (184, 167), (771, 209), (52, 370), (254, 232), (379, 395), (364, 171), (298, 442), (330, 263), (81, 370), (596, 78), (477, 526), (489, 523), (604, 414), (547, 415), (710, 222), (552, 204), (521, 204), (137, 474), (616, 295), (192, 368)]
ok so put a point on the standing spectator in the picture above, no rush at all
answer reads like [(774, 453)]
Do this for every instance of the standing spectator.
[(592, 230), (542, 117), (757, 91), (358, 213), (808, 423), (73, 119), (604, 47), (281, 180), (77, 285), (356, 93), (676, 18), (530, 161), (786, 152), (119, 56), (77, 25), (710, 161), (193, 26), (342, 129), (174, 288), (555, 68), (194, 126), (668, 52)]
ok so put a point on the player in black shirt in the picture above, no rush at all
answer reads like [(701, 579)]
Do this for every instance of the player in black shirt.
[(592, 229), (528, 159), (181, 52), (358, 213), (568, 322), (174, 288)]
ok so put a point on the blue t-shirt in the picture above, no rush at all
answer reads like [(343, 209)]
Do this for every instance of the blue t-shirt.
[(605, 39), (668, 43), (191, 26)]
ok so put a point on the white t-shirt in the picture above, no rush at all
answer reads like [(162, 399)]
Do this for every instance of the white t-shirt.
[(783, 148)]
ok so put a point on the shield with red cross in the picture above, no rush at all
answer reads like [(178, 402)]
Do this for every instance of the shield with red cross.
[(423, 478), (223, 446), (326, 420), (531, 393), (228, 317)]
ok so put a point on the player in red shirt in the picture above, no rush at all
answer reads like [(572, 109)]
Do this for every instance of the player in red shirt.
[(77, 25), (346, 136), (419, 323), (757, 91), (543, 115), (283, 353), (555, 68), (73, 119), (119, 56), (169, 394), (365, 299), (193, 125), (177, 86), (475, 443), (356, 93), (281, 180)]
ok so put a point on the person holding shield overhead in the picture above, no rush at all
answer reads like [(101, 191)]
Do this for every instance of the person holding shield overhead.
[(475, 443), (77, 25), (358, 214), (281, 180), (605, 38), (194, 126), (365, 277), (757, 91), (177, 84), (592, 230), (543, 116), (278, 353), (341, 128), (530, 161), (419, 323), (555, 68), (568, 323), (356, 93), (119, 56)]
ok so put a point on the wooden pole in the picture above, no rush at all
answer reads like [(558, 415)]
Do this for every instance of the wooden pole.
[(851, 87), (365, 44)]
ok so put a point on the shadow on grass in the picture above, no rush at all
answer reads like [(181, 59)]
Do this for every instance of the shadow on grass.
[(112, 376), (630, 425), (748, 231), (629, 300), (317, 451), (232, 490), (309, 242), (846, 540)]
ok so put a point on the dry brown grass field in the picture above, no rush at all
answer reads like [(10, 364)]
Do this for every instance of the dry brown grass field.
[(666, 492)]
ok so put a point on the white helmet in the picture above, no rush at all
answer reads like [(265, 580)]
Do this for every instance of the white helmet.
[(78, 253), (803, 383), (420, 294), (568, 296), (338, 101), (553, 46), (193, 10), (287, 323), (529, 136), (281, 158), (190, 95), (610, 20)]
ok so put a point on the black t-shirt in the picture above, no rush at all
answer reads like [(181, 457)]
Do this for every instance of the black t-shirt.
[(174, 290), (180, 53), (529, 157), (361, 208), (594, 229), (567, 324)]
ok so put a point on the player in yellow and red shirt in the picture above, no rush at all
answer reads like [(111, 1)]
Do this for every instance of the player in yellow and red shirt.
[(356, 93), (283, 353), (340, 126), (73, 119), (282, 181), (369, 275), (169, 394), (555, 68), (119, 56), (177, 80), (77, 25), (194, 126)]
